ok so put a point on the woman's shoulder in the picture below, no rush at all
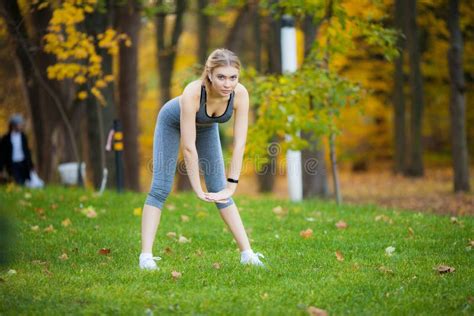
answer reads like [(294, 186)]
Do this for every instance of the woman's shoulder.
[(241, 95), (194, 87), (192, 93)]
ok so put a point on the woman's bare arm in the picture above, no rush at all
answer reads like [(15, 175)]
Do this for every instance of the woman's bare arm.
[(188, 136), (240, 136)]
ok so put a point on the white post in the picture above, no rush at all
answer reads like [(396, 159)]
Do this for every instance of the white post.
[(289, 64)]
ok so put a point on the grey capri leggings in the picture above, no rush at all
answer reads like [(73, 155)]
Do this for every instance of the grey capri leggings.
[(165, 153)]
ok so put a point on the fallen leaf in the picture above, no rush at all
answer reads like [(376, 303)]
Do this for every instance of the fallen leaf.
[(183, 240), (168, 250), (383, 218), (199, 253), (279, 211), (471, 243), (137, 211), (11, 272), (454, 219), (201, 214), (216, 265), (384, 269), (411, 231), (314, 311), (66, 222), (47, 272), (64, 256), (341, 225), (171, 235), (49, 229), (444, 269), (171, 207), (35, 228), (104, 251), (389, 250), (184, 218), (54, 206), (176, 275), (89, 212), (306, 233), (39, 262), (339, 256)]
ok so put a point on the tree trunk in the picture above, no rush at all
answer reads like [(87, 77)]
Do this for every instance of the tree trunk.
[(266, 178), (167, 52), (237, 32), (313, 157), (128, 19), (398, 96), (457, 104), (203, 32), (335, 173), (415, 165)]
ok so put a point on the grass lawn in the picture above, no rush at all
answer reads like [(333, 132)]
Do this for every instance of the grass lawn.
[(56, 266)]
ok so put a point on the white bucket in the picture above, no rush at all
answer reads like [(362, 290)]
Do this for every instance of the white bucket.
[(68, 172)]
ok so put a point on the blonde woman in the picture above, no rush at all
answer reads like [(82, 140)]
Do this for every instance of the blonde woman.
[(192, 119)]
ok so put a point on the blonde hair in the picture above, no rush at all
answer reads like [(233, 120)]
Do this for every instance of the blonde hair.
[(220, 57)]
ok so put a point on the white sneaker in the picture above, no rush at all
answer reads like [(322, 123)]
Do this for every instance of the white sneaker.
[(252, 258), (148, 262)]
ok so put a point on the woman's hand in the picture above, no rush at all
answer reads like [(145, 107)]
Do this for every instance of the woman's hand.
[(222, 195), (204, 196)]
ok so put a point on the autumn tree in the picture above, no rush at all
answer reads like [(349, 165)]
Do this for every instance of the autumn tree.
[(457, 104), (128, 22), (414, 166)]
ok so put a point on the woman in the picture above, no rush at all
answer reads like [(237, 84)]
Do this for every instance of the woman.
[(15, 153), (193, 118)]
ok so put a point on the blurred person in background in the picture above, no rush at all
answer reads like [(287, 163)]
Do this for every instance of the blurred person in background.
[(15, 155)]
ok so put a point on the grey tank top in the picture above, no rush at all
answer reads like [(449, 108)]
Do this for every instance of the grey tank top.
[(202, 116)]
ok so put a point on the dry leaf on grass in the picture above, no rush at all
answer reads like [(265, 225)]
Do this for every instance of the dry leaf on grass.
[(339, 256), (104, 251), (183, 240), (184, 218), (168, 250), (171, 207), (389, 250), (49, 229), (66, 222), (64, 256), (314, 311), (89, 212), (280, 211), (216, 265), (306, 233), (383, 218), (171, 234), (444, 269), (341, 225), (35, 228), (176, 275), (411, 231), (384, 269)]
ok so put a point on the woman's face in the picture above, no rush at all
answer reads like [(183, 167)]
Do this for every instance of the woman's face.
[(224, 79)]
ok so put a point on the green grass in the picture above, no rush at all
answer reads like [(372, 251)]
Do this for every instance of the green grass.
[(302, 273)]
